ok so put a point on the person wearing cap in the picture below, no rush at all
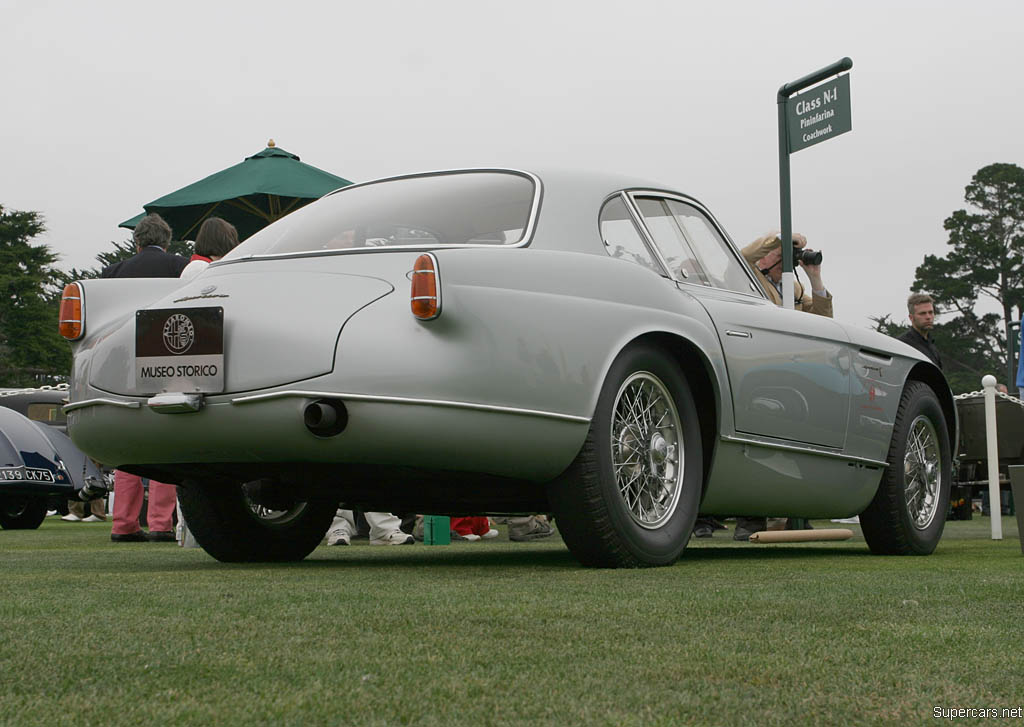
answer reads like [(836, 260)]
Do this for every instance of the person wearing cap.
[(764, 255)]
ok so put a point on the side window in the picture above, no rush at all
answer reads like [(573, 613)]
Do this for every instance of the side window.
[(621, 238), (691, 245), (668, 235), (714, 253)]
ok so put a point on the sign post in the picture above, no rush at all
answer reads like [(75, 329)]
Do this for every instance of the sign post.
[(810, 118)]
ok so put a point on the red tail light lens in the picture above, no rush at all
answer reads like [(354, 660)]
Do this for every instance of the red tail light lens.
[(425, 298), (71, 319)]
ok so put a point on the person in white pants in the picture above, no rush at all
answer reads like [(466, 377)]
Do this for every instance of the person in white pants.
[(384, 529)]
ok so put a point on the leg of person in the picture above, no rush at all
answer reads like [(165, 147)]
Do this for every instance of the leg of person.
[(529, 527), (76, 511), (747, 526), (127, 503), (160, 515), (462, 526), (481, 527), (97, 511), (704, 527), (342, 528), (386, 529), (487, 529)]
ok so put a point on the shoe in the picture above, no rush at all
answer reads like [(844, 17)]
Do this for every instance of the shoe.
[(94, 519), (71, 518), (337, 537), (703, 529), (471, 536), (492, 533), (536, 529), (456, 536), (747, 526), (161, 536), (395, 538), (137, 537), (51, 513)]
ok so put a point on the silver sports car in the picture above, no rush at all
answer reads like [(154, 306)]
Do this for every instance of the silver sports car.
[(501, 341)]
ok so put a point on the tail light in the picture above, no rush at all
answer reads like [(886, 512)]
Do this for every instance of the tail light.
[(425, 298), (72, 312)]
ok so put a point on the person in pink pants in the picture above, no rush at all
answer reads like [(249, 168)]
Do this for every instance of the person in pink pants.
[(128, 496)]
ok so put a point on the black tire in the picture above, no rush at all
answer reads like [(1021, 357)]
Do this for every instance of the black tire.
[(229, 527), (22, 512), (594, 519), (895, 523)]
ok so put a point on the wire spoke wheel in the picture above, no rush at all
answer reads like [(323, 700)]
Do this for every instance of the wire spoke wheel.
[(908, 512), (922, 470), (647, 449)]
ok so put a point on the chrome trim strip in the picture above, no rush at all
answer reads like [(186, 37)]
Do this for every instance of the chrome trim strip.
[(645, 234), (739, 334), (803, 450), (99, 402), (411, 401)]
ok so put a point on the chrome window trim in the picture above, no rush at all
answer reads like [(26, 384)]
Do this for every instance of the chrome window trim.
[(802, 450), (638, 220), (526, 239), (757, 292), (294, 393), (101, 402)]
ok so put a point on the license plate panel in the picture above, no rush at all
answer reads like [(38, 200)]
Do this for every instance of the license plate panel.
[(179, 349)]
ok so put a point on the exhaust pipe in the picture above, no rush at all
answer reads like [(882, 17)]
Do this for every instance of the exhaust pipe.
[(325, 417)]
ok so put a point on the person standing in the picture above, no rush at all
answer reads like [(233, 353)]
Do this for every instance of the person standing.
[(151, 237), (384, 529), (921, 308), (216, 239)]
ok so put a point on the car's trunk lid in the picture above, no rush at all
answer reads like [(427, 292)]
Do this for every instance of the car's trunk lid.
[(281, 323)]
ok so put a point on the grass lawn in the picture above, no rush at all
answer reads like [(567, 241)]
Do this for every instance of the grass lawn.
[(96, 633)]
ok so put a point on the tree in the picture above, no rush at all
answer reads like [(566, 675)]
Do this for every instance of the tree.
[(987, 256), (32, 351)]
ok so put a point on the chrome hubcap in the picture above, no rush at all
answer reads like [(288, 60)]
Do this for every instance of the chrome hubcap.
[(922, 473), (647, 451)]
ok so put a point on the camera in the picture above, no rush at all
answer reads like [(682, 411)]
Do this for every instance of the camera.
[(807, 257)]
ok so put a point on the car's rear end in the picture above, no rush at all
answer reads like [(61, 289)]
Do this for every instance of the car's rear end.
[(330, 351)]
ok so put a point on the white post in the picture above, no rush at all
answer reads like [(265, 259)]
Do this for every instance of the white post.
[(995, 504), (788, 290)]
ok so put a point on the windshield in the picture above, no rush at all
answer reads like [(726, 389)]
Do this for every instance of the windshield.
[(460, 208)]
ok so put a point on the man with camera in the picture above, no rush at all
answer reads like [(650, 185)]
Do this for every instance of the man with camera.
[(765, 256)]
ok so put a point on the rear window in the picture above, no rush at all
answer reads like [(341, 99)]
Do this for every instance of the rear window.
[(462, 208)]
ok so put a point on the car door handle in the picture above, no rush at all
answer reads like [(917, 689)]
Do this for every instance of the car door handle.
[(739, 334)]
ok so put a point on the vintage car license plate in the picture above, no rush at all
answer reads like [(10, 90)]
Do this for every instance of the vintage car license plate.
[(25, 474), (180, 349)]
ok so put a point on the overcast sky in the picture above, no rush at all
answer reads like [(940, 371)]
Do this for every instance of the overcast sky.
[(110, 105)]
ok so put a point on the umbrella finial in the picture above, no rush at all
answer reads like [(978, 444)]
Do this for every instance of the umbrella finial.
[(270, 143)]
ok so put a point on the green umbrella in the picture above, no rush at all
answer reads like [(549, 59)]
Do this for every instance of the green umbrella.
[(249, 195)]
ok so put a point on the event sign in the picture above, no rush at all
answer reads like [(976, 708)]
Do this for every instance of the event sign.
[(819, 114)]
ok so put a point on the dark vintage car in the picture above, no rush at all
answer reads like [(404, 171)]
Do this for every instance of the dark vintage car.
[(37, 459)]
